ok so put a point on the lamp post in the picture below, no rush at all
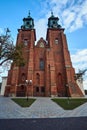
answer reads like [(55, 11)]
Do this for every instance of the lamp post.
[(28, 83)]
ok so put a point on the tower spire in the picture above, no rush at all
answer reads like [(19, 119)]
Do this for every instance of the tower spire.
[(52, 14), (29, 13), (53, 21), (28, 22)]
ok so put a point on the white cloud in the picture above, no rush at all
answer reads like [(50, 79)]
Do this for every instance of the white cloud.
[(40, 26), (85, 83), (79, 60), (72, 14), (79, 17), (59, 2), (68, 18), (1, 31)]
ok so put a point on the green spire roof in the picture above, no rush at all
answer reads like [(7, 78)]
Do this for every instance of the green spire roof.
[(53, 21), (28, 23)]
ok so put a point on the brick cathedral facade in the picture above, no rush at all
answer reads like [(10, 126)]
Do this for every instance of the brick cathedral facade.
[(48, 70)]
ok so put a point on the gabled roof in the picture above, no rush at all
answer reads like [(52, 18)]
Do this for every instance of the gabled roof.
[(41, 43)]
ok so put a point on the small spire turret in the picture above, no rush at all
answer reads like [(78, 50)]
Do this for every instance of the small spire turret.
[(29, 13), (52, 14), (28, 23), (53, 21)]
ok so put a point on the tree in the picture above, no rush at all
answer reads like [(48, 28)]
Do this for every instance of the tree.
[(80, 74), (10, 52), (86, 92)]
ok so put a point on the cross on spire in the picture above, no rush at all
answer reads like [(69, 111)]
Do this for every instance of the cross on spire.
[(51, 13), (29, 14)]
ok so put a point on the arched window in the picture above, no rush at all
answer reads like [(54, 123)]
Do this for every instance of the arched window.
[(56, 41), (25, 42), (41, 64), (23, 77)]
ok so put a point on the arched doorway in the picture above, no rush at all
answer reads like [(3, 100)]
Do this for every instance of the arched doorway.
[(21, 91), (37, 84)]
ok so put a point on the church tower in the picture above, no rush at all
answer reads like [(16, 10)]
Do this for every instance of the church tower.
[(48, 70), (61, 71), (18, 76)]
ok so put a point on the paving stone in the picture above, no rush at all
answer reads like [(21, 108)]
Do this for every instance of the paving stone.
[(41, 108)]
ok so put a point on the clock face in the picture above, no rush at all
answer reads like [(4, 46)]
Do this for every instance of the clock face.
[(41, 44)]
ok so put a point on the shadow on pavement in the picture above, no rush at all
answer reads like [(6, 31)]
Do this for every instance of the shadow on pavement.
[(74, 123)]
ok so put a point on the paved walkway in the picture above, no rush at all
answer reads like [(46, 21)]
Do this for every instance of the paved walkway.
[(41, 108)]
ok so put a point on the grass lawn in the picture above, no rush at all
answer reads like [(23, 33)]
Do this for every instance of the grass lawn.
[(69, 104), (23, 102)]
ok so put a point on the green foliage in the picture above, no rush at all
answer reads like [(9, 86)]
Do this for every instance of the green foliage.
[(80, 74), (86, 92), (23, 102), (8, 51), (17, 55), (69, 103)]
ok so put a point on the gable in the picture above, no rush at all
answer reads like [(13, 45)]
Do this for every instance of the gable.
[(41, 43)]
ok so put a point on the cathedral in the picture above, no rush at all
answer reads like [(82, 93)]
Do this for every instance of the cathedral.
[(48, 70)]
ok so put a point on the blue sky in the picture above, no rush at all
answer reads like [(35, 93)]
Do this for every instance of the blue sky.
[(72, 15)]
